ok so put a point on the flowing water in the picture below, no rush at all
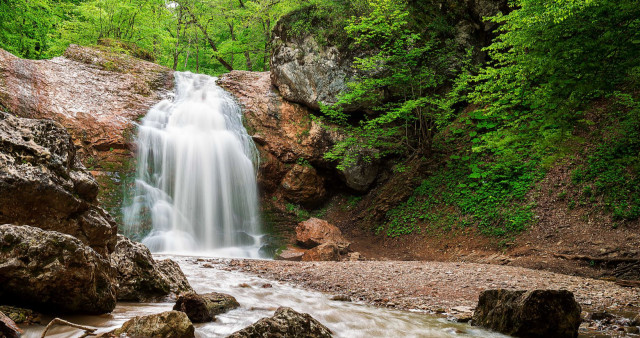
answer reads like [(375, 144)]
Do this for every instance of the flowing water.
[(343, 318), (195, 188), (195, 191)]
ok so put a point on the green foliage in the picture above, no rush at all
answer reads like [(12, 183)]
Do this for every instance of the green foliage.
[(469, 190), (399, 81), (300, 213), (612, 171)]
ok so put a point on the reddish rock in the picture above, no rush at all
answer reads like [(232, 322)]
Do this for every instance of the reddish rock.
[(315, 231), (284, 134), (323, 252), (303, 185)]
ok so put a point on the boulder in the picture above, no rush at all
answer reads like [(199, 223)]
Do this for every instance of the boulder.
[(170, 324), (285, 323), (315, 231), (141, 278), (8, 328), (323, 252), (535, 313), (360, 174), (20, 315), (203, 308), (43, 184), (291, 254), (303, 185), (171, 271), (52, 271)]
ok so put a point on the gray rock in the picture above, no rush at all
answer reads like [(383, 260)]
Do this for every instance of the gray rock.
[(203, 308), (285, 323), (43, 184), (170, 324), (536, 313), (141, 278), (52, 271)]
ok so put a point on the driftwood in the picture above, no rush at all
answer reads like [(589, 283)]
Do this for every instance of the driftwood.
[(88, 331)]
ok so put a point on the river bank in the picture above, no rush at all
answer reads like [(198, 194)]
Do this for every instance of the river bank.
[(444, 287)]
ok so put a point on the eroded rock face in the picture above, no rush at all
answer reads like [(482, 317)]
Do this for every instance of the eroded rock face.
[(141, 278), (43, 184), (284, 133), (314, 232), (170, 324), (306, 72), (536, 313), (285, 323), (55, 272), (95, 93), (323, 252), (204, 308), (303, 185)]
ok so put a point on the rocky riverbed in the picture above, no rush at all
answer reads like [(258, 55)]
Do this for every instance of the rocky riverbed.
[(447, 288)]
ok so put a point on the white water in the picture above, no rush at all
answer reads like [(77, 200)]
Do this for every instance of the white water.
[(196, 185), (345, 319)]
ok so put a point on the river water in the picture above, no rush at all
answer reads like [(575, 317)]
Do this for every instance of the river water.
[(345, 319)]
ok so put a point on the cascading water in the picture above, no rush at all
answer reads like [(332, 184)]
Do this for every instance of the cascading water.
[(196, 185)]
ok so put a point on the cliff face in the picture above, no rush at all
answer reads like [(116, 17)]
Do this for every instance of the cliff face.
[(97, 95)]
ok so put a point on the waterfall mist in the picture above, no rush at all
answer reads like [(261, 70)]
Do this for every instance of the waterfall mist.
[(195, 187)]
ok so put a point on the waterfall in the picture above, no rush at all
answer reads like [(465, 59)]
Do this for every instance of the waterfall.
[(195, 187)]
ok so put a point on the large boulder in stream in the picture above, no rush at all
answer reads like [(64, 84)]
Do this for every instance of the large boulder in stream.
[(43, 184), (142, 278), (54, 272), (285, 323), (204, 308), (535, 313), (170, 324)]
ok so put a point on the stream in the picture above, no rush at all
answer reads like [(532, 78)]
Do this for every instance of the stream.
[(345, 319)]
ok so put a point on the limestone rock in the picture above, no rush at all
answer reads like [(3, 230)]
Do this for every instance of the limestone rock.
[(303, 185), (285, 323), (363, 172), (315, 231), (323, 252), (52, 271), (66, 88), (8, 328), (291, 254), (536, 313), (43, 184), (170, 324), (171, 271), (141, 278), (284, 131), (204, 308)]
